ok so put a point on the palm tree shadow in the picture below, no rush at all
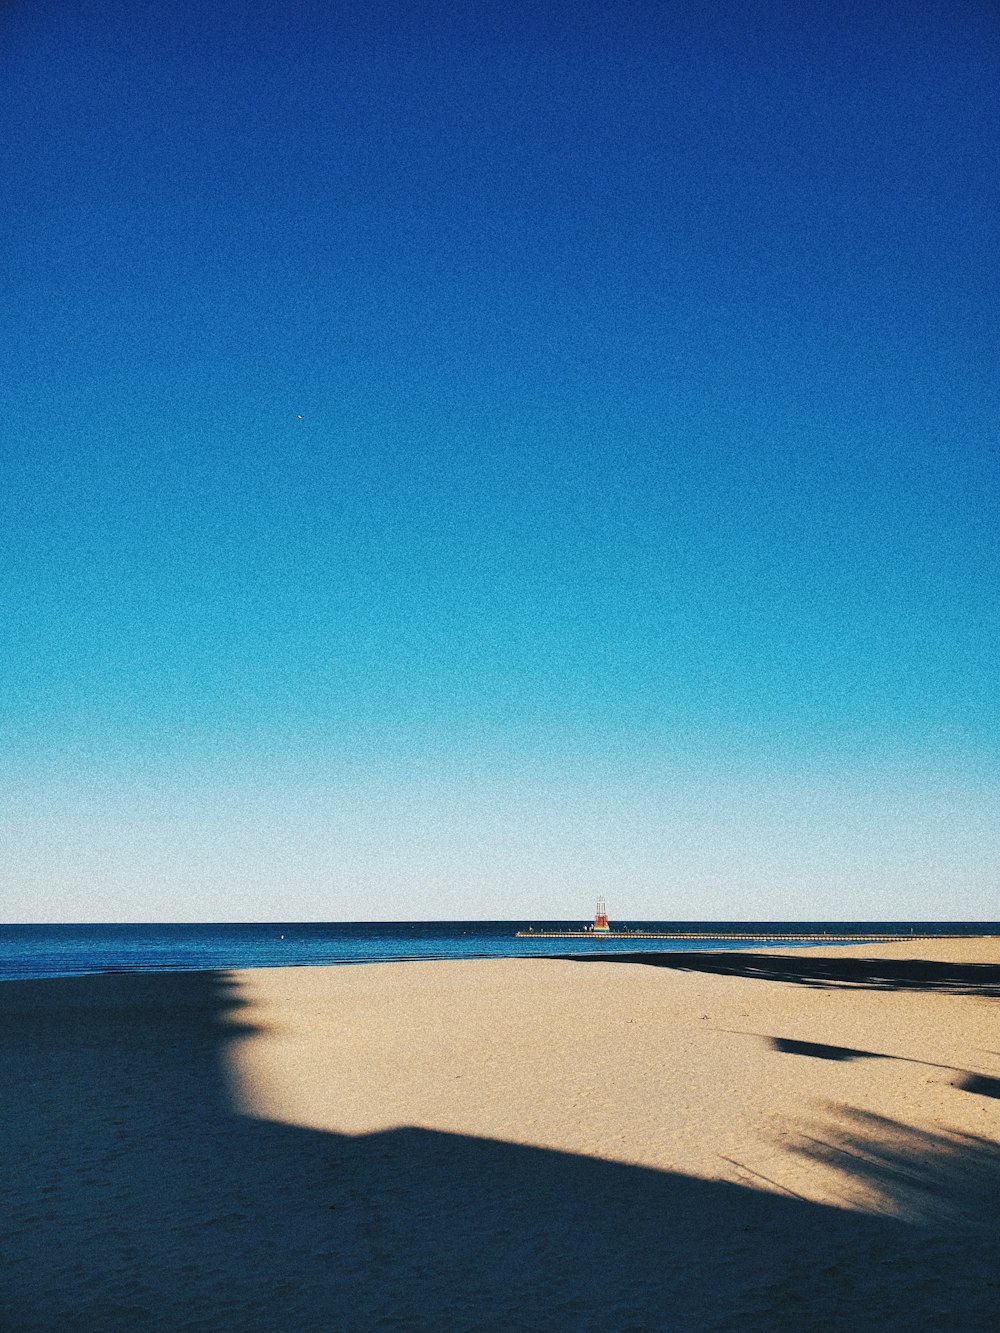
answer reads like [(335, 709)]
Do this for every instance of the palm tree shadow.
[(818, 1050), (941, 1181), (133, 1196), (886, 974), (980, 1085)]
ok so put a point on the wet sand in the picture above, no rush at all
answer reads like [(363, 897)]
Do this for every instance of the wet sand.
[(780, 1139)]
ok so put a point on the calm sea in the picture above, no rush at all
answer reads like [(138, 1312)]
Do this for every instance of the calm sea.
[(51, 951)]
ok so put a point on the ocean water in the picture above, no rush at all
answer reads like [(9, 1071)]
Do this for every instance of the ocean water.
[(70, 950)]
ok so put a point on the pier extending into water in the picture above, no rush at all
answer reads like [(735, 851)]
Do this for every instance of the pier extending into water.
[(773, 938)]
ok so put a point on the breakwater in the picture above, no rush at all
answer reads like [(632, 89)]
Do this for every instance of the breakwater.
[(826, 938)]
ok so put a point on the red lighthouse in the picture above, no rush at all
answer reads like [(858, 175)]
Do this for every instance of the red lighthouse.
[(601, 915)]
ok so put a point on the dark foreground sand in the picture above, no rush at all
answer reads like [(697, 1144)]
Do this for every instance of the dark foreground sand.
[(801, 1140)]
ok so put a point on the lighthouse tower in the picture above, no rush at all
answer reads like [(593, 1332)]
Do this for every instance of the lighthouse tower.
[(601, 916)]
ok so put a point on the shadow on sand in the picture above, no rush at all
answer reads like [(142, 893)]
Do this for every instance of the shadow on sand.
[(890, 974), (135, 1196), (980, 1085)]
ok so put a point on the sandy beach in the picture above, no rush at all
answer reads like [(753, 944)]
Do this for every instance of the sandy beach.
[(786, 1139)]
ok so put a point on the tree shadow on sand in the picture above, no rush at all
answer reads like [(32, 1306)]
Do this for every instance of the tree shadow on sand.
[(888, 974), (967, 1080), (134, 1196)]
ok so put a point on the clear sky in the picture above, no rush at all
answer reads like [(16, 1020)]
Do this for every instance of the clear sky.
[(458, 459)]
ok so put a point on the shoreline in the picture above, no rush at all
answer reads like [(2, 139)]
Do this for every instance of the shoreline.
[(802, 944)]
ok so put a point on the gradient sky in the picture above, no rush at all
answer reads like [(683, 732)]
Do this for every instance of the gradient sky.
[(458, 459)]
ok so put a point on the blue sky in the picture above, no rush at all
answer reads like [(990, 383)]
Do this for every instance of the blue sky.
[(456, 463)]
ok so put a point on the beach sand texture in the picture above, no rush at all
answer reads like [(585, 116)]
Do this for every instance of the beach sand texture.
[(803, 1139)]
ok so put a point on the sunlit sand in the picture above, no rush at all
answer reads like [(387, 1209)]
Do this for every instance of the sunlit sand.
[(721, 1077)]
